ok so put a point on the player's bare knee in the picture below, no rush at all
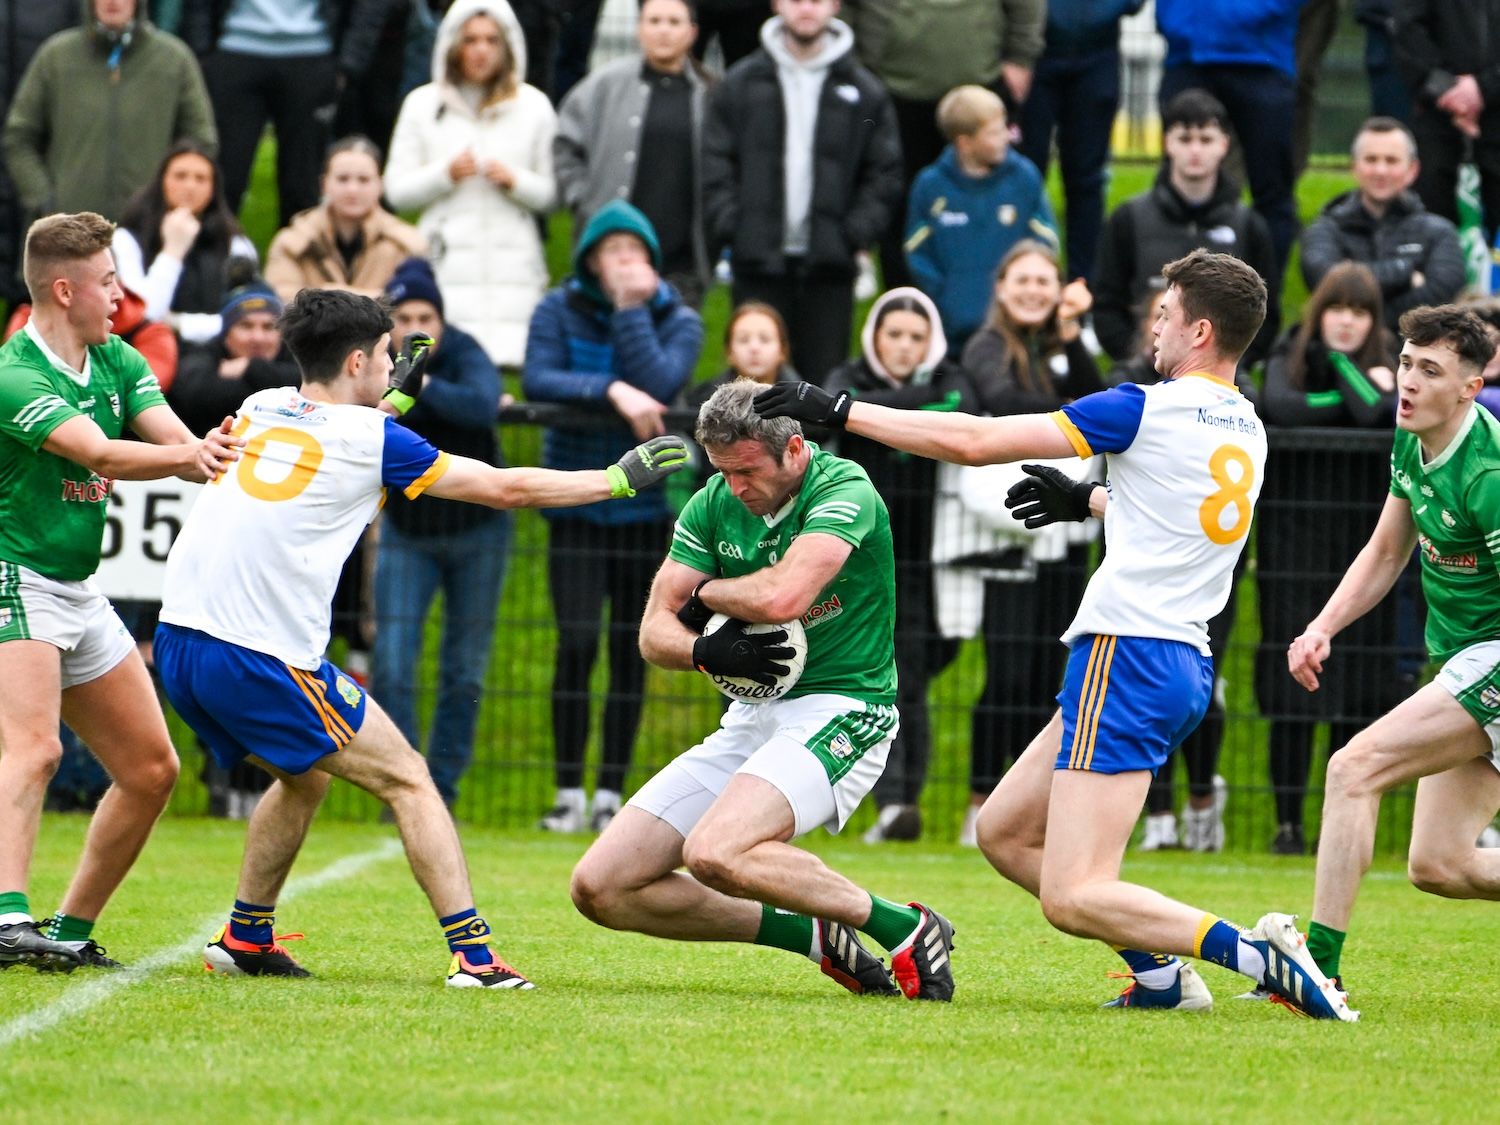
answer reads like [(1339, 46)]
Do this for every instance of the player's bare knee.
[(41, 759), (1000, 843), (151, 778), (1354, 771), (1064, 910), (595, 895), (712, 864), (1437, 874)]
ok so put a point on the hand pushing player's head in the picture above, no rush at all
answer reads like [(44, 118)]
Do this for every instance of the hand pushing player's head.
[(763, 459), (340, 340), (1213, 307)]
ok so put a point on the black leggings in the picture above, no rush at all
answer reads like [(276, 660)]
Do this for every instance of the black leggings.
[(586, 564)]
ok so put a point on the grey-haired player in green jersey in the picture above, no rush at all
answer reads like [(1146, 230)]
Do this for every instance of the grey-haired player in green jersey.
[(784, 531), (68, 391), (1444, 499)]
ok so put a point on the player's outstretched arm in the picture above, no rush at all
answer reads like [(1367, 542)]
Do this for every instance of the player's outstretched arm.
[(963, 439), (1368, 579), (81, 441), (646, 465), (160, 425)]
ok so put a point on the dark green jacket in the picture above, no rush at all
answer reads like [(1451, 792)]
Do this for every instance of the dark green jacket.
[(87, 129), (921, 49)]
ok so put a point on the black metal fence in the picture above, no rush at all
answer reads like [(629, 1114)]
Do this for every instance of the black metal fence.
[(1323, 492)]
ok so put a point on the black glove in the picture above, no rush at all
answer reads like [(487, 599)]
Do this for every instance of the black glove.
[(730, 651), (1047, 496), (694, 614), (804, 402), (409, 371), (649, 463)]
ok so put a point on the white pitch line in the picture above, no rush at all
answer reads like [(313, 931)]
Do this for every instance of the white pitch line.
[(102, 987)]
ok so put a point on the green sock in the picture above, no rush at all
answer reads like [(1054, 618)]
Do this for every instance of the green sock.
[(65, 927), (890, 924), (1326, 947), (782, 929), (14, 902)]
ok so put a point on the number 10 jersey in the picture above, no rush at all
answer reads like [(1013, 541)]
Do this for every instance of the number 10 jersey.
[(1186, 458), (260, 553)]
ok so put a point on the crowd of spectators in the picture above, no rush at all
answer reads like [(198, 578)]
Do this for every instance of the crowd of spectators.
[(821, 135)]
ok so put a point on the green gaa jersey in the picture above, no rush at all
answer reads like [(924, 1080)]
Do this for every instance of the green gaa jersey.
[(52, 509), (850, 650), (1455, 502)]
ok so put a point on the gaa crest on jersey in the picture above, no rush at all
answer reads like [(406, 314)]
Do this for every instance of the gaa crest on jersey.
[(840, 746), (1006, 213), (1490, 697), (114, 404), (347, 691), (4, 618)]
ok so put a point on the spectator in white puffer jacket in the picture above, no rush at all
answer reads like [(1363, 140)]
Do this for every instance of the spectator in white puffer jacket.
[(472, 151)]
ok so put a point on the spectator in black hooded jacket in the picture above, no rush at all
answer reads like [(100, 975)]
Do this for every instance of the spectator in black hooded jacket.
[(794, 196), (1192, 204)]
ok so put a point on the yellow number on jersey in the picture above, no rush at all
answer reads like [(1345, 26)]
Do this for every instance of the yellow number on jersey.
[(302, 471), (1231, 493)]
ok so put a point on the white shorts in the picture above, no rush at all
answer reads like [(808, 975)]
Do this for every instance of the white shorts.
[(822, 752), (74, 617), (1472, 677)]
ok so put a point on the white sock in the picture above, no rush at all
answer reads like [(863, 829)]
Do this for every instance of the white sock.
[(815, 954), (13, 919), (572, 799), (1251, 961), (1160, 978)]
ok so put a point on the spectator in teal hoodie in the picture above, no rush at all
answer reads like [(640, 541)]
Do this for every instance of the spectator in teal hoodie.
[(616, 340), (969, 208)]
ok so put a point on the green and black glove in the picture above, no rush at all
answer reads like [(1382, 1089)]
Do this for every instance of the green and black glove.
[(805, 402), (409, 371), (649, 463), (694, 614), (1047, 496), (731, 651)]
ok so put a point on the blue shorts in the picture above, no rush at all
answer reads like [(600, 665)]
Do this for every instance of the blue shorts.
[(240, 701), (1127, 702)]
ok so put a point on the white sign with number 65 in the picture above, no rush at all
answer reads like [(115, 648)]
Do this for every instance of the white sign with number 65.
[(145, 518)]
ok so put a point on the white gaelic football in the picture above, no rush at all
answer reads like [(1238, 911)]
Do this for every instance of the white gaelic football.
[(746, 690)]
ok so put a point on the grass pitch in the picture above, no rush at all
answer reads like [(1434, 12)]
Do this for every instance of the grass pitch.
[(624, 1028)]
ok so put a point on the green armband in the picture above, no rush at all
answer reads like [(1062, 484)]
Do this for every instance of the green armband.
[(400, 400), (619, 483)]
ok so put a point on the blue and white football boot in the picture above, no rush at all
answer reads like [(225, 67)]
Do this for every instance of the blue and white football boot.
[(1292, 976)]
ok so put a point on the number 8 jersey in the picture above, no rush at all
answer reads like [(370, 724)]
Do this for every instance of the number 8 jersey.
[(260, 553), (1186, 458)]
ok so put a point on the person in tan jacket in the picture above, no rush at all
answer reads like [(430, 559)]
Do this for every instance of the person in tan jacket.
[(348, 241)]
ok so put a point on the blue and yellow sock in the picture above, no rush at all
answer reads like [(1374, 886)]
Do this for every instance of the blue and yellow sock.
[(14, 907), (67, 927), (251, 923), (781, 929), (469, 934), (1223, 943), (1155, 971)]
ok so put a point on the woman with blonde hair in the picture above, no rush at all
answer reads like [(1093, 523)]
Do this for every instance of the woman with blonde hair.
[(472, 151), (349, 241)]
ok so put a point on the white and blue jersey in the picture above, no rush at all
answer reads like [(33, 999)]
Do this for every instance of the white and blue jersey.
[(250, 581), (1186, 459), (261, 551)]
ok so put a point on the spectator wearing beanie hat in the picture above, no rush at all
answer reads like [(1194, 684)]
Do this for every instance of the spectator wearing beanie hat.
[(429, 544), (214, 377)]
